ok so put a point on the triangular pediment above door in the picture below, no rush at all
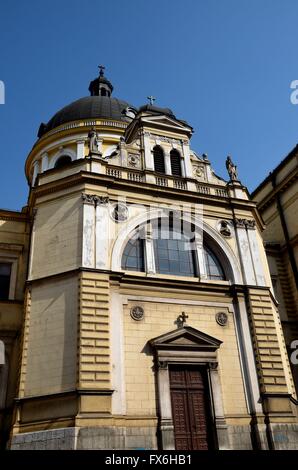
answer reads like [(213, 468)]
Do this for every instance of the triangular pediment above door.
[(184, 338)]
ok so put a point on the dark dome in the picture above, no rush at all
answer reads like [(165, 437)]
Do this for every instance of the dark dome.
[(90, 107)]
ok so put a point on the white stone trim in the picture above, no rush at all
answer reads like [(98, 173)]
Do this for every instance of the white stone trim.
[(117, 355), (149, 250), (149, 161), (245, 256), (247, 358), (205, 303), (80, 149), (35, 171), (102, 238), (256, 258), (88, 254), (44, 162), (201, 258), (187, 162), (61, 152), (167, 160)]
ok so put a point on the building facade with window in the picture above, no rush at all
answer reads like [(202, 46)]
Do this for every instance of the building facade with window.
[(149, 319)]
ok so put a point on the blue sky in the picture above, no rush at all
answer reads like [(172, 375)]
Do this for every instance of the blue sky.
[(225, 66)]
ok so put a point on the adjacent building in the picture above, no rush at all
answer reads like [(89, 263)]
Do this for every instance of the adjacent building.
[(277, 202)]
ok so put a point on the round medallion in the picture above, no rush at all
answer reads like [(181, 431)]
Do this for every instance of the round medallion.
[(137, 313), (199, 171), (221, 318), (224, 228), (119, 212), (133, 160)]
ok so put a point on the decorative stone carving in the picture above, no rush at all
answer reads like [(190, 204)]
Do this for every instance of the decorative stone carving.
[(245, 223), (93, 143), (221, 318), (130, 112), (239, 223), (162, 364), (232, 169), (119, 212), (224, 228), (162, 138), (133, 161), (93, 199), (250, 224), (168, 140), (199, 172), (213, 365), (137, 313)]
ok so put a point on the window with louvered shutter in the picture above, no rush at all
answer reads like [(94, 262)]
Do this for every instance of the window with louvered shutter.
[(159, 160), (175, 163)]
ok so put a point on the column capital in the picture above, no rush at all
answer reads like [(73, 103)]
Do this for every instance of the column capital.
[(245, 223), (94, 200), (213, 365), (162, 364)]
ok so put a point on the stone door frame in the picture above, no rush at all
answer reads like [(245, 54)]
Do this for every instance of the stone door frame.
[(187, 346)]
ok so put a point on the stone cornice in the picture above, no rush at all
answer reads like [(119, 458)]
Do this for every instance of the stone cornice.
[(14, 216), (280, 188), (107, 181)]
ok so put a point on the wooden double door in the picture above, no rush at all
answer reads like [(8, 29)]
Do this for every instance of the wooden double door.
[(191, 408)]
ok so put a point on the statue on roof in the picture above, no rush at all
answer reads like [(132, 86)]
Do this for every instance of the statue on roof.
[(232, 169), (93, 142)]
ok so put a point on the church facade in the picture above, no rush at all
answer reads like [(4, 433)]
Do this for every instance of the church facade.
[(137, 310)]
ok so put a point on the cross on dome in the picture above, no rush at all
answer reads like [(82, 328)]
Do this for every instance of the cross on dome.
[(101, 70), (151, 99)]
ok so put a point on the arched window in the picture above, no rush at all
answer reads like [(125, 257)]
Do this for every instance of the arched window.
[(213, 266), (63, 161), (174, 250), (133, 255), (175, 163), (159, 160)]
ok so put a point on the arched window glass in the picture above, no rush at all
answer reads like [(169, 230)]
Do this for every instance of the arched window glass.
[(63, 161), (174, 251), (175, 163), (133, 255), (213, 266), (159, 160)]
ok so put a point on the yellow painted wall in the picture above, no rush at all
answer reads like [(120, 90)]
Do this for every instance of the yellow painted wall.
[(52, 342), (58, 237), (159, 319)]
